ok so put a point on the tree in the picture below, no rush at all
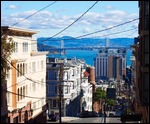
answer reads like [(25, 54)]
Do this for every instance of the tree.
[(7, 47), (111, 102), (99, 94)]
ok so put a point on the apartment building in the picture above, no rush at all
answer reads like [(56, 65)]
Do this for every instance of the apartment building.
[(25, 78), (141, 64), (68, 77)]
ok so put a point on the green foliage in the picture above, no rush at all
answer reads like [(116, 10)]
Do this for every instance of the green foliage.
[(7, 47), (111, 102), (99, 94)]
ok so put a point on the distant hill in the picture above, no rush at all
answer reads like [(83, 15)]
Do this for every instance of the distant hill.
[(71, 42)]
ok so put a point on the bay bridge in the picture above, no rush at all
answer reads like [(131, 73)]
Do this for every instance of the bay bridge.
[(88, 48), (62, 49)]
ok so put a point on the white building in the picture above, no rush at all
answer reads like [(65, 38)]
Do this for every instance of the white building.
[(101, 64), (26, 79), (75, 88)]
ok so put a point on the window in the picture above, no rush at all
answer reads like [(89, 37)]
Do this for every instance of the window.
[(56, 89), (33, 67), (47, 75), (34, 86), (66, 90), (42, 82), (29, 68), (42, 64), (21, 93), (38, 65), (18, 94), (26, 91), (47, 88), (7, 74), (146, 15), (8, 97), (23, 72), (16, 47), (26, 68), (18, 69), (146, 89), (55, 103), (146, 50), (25, 47), (146, 8), (34, 105), (55, 75)]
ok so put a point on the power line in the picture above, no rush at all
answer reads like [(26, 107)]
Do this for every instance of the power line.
[(22, 74), (75, 20), (108, 28), (75, 38), (93, 32), (118, 32), (34, 13), (23, 95)]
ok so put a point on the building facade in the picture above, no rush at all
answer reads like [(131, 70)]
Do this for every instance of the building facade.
[(76, 91), (141, 64), (112, 60), (25, 78)]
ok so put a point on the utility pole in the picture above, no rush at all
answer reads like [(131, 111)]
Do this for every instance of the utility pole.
[(60, 90), (105, 111)]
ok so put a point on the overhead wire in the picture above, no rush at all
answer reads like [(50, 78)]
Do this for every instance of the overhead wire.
[(21, 72), (34, 13), (101, 36), (62, 31), (75, 20), (75, 38)]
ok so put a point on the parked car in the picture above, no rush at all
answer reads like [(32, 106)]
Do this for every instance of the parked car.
[(111, 114), (54, 117)]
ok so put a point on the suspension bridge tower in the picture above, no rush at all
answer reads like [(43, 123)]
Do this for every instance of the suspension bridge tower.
[(62, 52), (107, 42)]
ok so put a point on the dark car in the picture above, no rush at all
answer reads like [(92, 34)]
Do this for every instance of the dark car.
[(84, 114), (111, 114), (54, 117)]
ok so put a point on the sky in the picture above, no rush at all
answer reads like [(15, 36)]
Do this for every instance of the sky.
[(52, 20)]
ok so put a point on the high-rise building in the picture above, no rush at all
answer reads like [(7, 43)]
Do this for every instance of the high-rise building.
[(101, 64), (115, 67), (110, 64)]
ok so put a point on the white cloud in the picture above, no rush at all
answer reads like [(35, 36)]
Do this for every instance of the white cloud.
[(109, 7), (12, 7), (86, 30), (49, 21)]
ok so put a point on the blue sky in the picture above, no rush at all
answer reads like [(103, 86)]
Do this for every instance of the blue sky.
[(58, 16)]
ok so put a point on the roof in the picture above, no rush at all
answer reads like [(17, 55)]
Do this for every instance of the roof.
[(19, 29)]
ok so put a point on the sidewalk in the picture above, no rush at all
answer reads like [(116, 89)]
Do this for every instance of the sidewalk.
[(67, 119), (64, 120)]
